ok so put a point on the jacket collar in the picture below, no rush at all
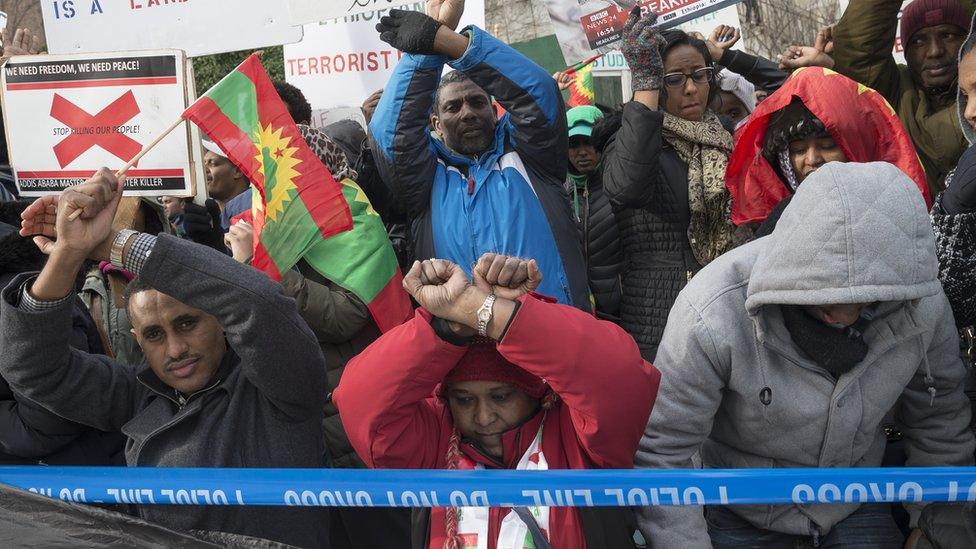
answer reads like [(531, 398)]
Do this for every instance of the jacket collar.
[(514, 442)]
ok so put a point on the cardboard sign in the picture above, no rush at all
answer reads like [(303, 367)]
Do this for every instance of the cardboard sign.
[(339, 63), (67, 115), (585, 27), (195, 26), (897, 50), (313, 11)]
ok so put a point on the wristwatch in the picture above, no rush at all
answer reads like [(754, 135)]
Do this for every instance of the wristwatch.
[(484, 315), (118, 246)]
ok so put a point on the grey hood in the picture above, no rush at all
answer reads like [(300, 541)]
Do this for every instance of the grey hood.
[(961, 99), (827, 250)]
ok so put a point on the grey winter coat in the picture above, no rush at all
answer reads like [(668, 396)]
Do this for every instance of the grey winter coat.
[(263, 409), (854, 233)]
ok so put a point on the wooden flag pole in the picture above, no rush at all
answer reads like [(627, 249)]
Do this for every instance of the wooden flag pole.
[(74, 215)]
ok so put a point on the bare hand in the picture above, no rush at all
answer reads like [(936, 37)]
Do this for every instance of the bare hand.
[(505, 276), (806, 56), (723, 37), (796, 57), (369, 106), (438, 286), (24, 42), (240, 240), (447, 12), (825, 40), (47, 219), (563, 80)]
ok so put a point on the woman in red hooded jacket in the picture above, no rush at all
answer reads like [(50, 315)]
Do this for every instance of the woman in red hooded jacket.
[(817, 116), (545, 386)]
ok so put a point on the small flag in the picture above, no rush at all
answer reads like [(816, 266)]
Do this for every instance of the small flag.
[(581, 91)]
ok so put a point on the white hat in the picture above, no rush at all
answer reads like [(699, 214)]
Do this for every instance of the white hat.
[(212, 147)]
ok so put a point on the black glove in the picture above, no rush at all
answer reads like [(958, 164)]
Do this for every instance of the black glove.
[(203, 224), (960, 195), (408, 31)]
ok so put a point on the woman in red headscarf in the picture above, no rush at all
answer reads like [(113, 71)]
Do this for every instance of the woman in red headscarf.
[(546, 386), (817, 116)]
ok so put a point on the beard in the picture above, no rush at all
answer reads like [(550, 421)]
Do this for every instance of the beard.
[(472, 141)]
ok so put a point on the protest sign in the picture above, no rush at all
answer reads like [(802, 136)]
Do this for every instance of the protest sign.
[(614, 62), (313, 11), (67, 115), (585, 27), (340, 62), (323, 117), (898, 51), (198, 28)]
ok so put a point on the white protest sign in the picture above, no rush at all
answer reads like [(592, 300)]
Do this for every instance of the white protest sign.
[(195, 26), (313, 11), (340, 62), (613, 62), (67, 115), (898, 51), (585, 27), (323, 117)]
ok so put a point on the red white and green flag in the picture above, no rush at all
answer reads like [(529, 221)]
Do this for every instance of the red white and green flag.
[(301, 203)]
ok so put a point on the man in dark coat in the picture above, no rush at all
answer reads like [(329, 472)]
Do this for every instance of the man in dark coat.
[(233, 377)]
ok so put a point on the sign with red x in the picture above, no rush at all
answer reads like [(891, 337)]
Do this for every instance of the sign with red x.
[(68, 115), (99, 129)]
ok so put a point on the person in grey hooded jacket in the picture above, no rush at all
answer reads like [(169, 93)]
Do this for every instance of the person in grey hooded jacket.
[(790, 350)]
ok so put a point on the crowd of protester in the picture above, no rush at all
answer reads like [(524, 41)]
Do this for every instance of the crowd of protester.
[(753, 263)]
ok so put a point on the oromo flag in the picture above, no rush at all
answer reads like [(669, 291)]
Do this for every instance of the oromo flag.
[(301, 204)]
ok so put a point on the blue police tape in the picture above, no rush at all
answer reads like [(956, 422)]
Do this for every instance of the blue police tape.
[(427, 488)]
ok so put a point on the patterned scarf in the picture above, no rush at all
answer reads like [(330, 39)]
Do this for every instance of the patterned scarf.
[(329, 152), (705, 147)]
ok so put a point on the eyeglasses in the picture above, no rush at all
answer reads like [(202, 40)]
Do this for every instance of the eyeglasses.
[(679, 79)]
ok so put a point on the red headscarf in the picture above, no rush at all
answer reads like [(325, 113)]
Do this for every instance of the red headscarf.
[(862, 123)]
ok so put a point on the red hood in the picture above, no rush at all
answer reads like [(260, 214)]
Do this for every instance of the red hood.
[(863, 124)]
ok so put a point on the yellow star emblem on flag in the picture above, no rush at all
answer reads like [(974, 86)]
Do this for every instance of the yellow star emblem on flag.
[(276, 161)]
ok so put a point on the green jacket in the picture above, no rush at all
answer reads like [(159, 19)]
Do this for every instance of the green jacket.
[(863, 39), (343, 326)]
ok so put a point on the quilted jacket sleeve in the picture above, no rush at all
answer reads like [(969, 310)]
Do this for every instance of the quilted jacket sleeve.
[(632, 157)]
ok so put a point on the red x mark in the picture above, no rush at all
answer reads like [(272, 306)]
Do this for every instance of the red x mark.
[(99, 128)]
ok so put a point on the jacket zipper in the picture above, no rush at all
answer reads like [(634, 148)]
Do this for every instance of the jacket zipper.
[(586, 224), (180, 402)]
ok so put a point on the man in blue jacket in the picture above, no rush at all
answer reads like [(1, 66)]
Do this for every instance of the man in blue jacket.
[(469, 183)]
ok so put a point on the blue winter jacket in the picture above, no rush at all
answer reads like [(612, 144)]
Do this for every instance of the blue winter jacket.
[(511, 199)]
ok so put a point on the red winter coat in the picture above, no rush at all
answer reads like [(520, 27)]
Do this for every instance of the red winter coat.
[(394, 421)]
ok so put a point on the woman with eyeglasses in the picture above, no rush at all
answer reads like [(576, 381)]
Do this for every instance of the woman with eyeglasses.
[(665, 175)]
